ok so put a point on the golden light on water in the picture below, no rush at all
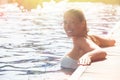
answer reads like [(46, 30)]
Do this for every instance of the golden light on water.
[(104, 1), (30, 4)]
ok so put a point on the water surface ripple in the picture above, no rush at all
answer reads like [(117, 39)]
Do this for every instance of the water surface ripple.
[(32, 43)]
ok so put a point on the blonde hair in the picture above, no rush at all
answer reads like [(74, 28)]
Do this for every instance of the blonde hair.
[(79, 14), (76, 12)]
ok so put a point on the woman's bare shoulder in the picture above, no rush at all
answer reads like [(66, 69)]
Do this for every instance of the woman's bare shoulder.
[(87, 44)]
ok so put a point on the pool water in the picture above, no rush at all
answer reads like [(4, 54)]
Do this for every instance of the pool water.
[(32, 43)]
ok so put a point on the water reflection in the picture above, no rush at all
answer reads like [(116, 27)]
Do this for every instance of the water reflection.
[(32, 43)]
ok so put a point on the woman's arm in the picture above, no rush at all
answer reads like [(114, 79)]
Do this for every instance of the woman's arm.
[(92, 52), (103, 42), (94, 55)]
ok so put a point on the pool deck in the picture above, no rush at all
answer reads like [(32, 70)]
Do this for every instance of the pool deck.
[(108, 69)]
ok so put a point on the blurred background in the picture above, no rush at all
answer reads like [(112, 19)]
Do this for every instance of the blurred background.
[(30, 4), (32, 38)]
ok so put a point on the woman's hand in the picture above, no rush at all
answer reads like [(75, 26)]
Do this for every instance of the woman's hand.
[(85, 60)]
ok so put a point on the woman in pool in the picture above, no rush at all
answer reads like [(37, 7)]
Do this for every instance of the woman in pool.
[(86, 48)]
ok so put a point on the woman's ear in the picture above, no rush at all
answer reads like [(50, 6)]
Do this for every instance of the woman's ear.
[(84, 27), (83, 23)]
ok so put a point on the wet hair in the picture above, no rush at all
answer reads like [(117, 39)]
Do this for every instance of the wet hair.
[(76, 12), (79, 14)]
